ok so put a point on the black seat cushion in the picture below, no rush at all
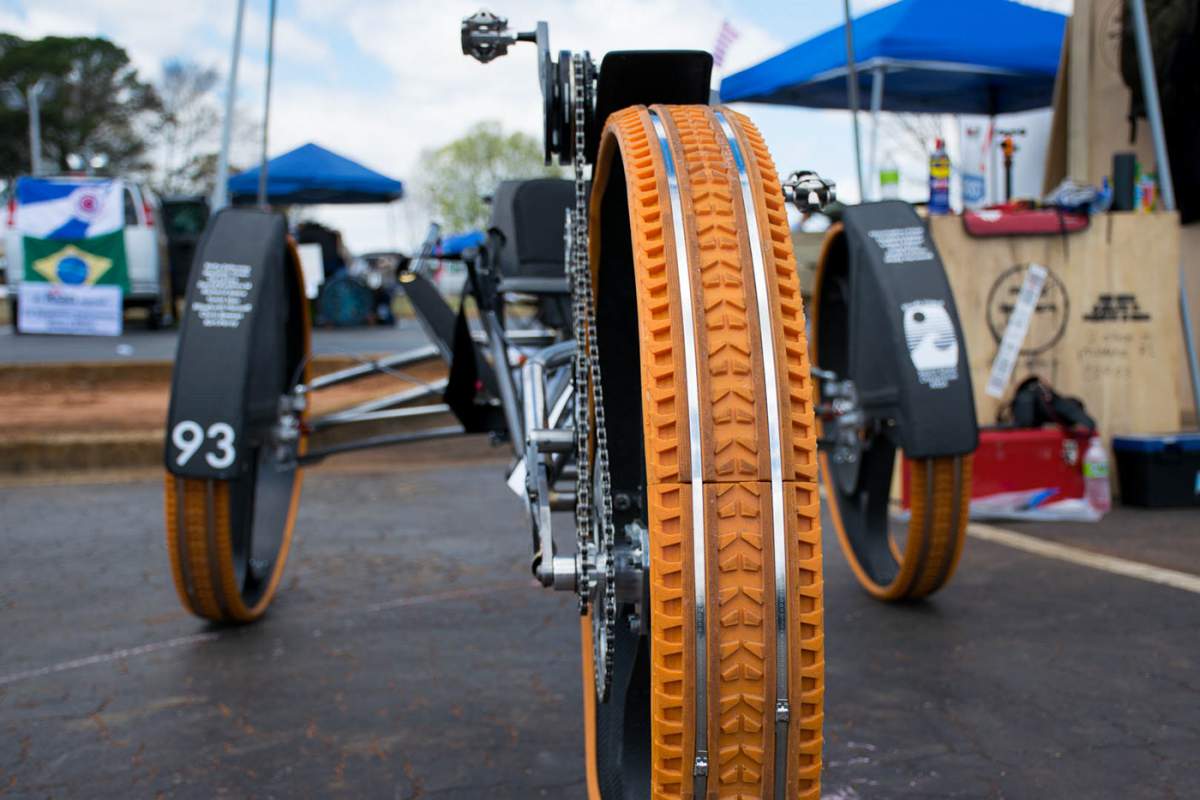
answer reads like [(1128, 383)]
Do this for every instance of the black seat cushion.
[(530, 215)]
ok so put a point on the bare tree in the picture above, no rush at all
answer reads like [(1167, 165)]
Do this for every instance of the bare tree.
[(190, 117), (188, 129)]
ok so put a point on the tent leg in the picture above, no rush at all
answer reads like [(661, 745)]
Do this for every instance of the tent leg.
[(1141, 27), (262, 164), (852, 89), (993, 168), (876, 105), (220, 197)]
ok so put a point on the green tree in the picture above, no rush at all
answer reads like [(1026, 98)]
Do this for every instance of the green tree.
[(456, 177), (98, 108)]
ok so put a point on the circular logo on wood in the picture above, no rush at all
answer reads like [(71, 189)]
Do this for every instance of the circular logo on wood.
[(1049, 320)]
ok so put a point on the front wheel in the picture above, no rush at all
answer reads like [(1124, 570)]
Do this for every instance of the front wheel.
[(717, 688), (859, 465), (229, 540), (229, 528)]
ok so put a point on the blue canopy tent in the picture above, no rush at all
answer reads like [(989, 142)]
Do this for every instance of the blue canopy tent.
[(937, 56), (310, 174)]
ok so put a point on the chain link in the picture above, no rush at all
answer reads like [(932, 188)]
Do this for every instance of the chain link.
[(587, 371)]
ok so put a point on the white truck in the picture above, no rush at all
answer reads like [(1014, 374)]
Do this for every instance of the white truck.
[(145, 254)]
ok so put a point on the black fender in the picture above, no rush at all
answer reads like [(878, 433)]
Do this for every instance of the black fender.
[(451, 334), (906, 350), (434, 314), (645, 77), (242, 340)]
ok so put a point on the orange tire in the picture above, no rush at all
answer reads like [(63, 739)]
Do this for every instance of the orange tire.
[(709, 407), (228, 540), (940, 487)]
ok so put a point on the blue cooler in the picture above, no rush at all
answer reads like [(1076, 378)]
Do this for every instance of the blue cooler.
[(1158, 470)]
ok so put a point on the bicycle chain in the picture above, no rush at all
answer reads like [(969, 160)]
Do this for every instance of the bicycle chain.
[(587, 369)]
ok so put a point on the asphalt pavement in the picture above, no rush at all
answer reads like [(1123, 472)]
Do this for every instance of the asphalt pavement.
[(409, 655), (140, 344)]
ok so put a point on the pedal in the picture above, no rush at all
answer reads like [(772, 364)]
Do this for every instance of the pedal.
[(484, 37), (808, 191)]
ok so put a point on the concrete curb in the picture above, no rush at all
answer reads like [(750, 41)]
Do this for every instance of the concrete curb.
[(98, 452), (80, 452), (45, 454), (92, 373)]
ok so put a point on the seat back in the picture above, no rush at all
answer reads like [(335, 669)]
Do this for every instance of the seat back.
[(530, 215)]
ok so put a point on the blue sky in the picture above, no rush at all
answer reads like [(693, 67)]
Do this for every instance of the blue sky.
[(382, 80)]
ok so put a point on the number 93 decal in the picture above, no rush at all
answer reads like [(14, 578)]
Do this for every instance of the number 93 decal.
[(188, 437)]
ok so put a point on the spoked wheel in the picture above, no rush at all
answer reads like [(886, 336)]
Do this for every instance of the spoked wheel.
[(717, 686), (228, 540), (859, 463)]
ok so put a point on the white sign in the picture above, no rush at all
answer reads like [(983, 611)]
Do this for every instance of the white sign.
[(1014, 332), (312, 264), (62, 308)]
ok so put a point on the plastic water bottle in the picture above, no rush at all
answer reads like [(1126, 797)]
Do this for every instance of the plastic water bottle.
[(889, 179), (939, 179), (1095, 476)]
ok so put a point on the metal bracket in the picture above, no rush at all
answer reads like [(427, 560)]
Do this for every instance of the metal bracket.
[(546, 439)]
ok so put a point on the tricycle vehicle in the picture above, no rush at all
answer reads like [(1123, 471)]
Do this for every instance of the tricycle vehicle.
[(660, 389)]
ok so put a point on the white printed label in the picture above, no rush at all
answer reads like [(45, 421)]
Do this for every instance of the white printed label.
[(223, 289), (902, 245), (1014, 332), (932, 345)]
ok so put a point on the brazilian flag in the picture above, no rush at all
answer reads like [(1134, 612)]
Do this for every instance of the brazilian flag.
[(95, 261)]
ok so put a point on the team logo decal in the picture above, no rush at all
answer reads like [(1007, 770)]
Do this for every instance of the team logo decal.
[(1050, 314), (932, 345), (88, 205)]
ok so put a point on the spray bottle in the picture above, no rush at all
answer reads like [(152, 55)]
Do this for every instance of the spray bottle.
[(939, 179)]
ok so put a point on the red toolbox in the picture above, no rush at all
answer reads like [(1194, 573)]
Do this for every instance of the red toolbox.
[(1015, 459)]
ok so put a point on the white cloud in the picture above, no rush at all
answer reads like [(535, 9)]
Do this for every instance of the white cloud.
[(150, 32), (292, 42), (433, 92)]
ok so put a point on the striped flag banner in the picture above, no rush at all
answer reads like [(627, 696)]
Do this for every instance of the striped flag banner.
[(725, 37)]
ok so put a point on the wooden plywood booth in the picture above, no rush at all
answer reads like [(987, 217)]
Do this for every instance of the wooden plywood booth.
[(1091, 124), (1106, 328)]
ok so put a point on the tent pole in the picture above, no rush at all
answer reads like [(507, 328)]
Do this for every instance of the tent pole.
[(1153, 110), (262, 165), (852, 90), (877, 75), (220, 196), (993, 169), (1141, 29)]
